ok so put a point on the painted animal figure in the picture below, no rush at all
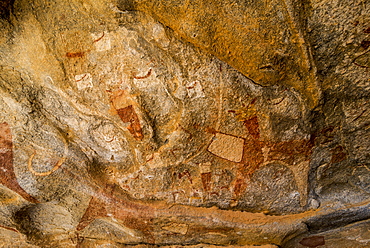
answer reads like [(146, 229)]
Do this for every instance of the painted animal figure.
[(294, 154), (7, 175)]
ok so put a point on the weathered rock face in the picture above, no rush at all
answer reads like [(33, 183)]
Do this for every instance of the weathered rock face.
[(263, 40), (116, 131)]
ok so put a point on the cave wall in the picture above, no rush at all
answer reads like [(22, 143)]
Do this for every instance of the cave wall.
[(184, 123)]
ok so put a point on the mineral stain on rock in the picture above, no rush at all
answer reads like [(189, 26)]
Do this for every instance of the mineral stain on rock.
[(7, 175), (313, 241)]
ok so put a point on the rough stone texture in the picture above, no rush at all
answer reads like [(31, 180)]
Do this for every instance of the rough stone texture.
[(271, 31), (355, 235), (184, 123)]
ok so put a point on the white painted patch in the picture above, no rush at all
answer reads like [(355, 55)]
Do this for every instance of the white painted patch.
[(205, 167), (160, 36), (227, 147), (195, 90), (180, 93), (101, 41), (14, 105), (154, 161), (84, 81)]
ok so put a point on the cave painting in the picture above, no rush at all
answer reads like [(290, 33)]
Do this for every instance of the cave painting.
[(124, 106), (7, 175), (83, 81), (251, 153), (131, 215), (227, 147), (46, 173), (248, 154)]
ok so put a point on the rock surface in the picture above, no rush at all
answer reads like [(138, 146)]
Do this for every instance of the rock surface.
[(354, 235), (184, 123)]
